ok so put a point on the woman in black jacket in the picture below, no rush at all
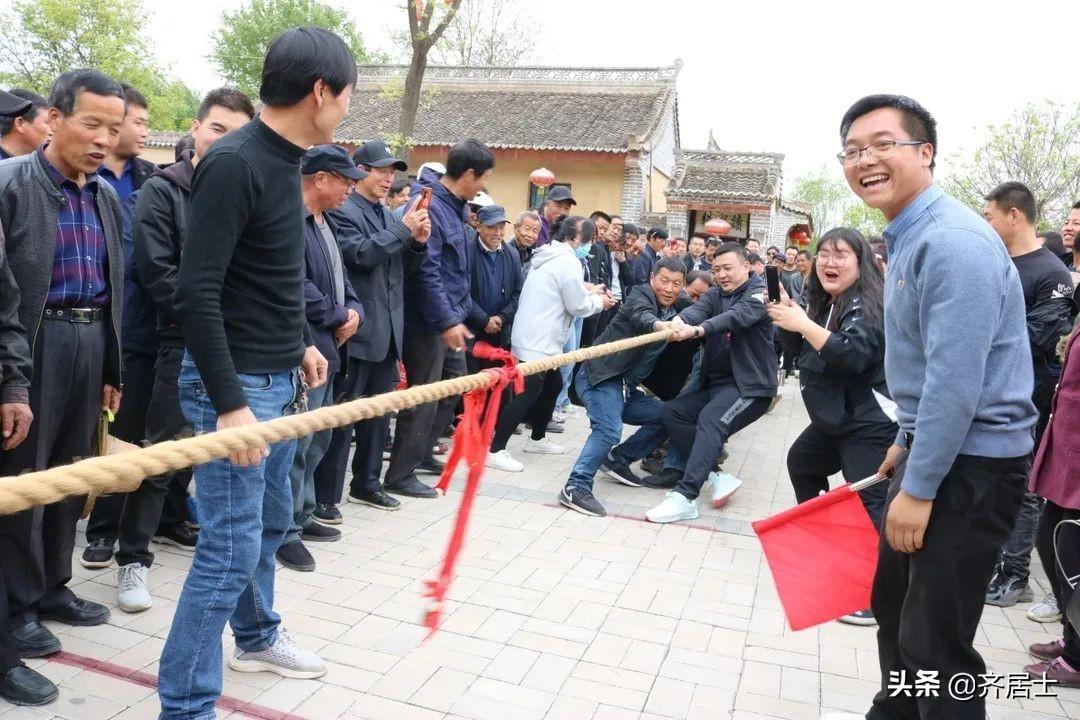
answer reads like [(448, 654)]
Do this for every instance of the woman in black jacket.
[(842, 374)]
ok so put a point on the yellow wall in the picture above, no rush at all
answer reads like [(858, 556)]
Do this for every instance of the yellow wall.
[(158, 155), (658, 183), (596, 179)]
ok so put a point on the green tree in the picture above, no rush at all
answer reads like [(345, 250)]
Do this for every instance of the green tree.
[(240, 43), (1039, 145), (863, 218), (40, 39), (427, 23), (828, 196)]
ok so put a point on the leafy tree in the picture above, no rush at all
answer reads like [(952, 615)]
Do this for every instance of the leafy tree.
[(864, 218), (828, 196), (488, 32), (1039, 145), (40, 39), (428, 20), (239, 45)]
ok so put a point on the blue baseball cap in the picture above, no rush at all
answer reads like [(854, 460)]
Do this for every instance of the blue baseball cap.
[(491, 215), (332, 159)]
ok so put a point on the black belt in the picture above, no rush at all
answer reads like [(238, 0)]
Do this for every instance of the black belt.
[(75, 315)]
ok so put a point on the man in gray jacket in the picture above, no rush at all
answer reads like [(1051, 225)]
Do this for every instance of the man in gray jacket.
[(63, 244), (375, 249)]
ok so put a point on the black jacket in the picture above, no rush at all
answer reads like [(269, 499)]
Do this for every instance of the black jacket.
[(14, 349), (158, 230), (637, 316), (29, 205), (324, 314), (740, 315), (843, 384), (375, 261), (512, 280), (702, 264)]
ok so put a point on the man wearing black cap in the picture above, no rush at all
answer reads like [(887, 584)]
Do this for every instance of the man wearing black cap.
[(559, 201), (496, 279), (18, 684), (334, 314), (26, 131), (376, 247)]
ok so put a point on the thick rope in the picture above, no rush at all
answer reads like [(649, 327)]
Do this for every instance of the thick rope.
[(124, 472)]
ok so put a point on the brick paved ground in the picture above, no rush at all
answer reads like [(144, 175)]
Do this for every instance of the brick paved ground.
[(553, 615)]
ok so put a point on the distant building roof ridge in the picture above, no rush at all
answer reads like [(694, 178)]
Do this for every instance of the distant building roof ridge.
[(609, 77)]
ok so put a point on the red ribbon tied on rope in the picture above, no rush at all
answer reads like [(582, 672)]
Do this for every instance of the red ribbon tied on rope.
[(472, 441)]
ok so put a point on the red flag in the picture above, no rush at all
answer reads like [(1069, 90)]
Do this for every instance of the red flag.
[(822, 554)]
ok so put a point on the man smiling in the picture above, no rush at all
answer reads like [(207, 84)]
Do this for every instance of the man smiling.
[(963, 395)]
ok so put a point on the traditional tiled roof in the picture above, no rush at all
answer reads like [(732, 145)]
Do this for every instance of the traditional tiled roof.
[(726, 176), (541, 108), (164, 138)]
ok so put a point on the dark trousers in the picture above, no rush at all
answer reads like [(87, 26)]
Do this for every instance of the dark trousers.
[(816, 454), (928, 604), (1065, 555), (699, 424), (427, 360), (791, 342), (142, 510), (1015, 559), (65, 398), (536, 404), (129, 426), (363, 379), (9, 649)]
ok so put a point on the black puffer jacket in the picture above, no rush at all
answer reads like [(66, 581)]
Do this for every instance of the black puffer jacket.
[(843, 384), (158, 230)]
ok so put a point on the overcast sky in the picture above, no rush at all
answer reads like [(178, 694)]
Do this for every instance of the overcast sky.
[(771, 75)]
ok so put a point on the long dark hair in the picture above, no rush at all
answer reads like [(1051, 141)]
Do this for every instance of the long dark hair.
[(868, 289), (566, 228)]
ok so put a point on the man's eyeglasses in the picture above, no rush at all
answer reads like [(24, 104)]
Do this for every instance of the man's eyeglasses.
[(876, 151)]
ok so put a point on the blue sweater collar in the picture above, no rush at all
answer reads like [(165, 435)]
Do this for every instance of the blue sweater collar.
[(911, 213)]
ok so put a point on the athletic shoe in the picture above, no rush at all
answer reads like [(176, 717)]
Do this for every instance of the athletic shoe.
[(181, 536), (543, 446), (619, 471), (654, 464), (859, 617), (440, 448), (724, 486), (1045, 611), (556, 427), (284, 657), (674, 508), (379, 499), (327, 514), (1048, 651), (133, 588), (502, 460), (98, 554), (581, 501), (1006, 591), (1058, 671), (558, 417)]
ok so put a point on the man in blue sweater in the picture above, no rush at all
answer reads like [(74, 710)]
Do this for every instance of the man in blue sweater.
[(963, 392)]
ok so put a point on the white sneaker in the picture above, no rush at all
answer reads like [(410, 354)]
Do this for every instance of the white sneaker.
[(724, 486), (1045, 611), (544, 447), (502, 460), (133, 588), (284, 657), (558, 417), (674, 508)]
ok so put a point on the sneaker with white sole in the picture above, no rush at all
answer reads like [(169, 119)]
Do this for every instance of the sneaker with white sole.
[(558, 417), (503, 460), (133, 588), (1045, 611), (284, 657), (674, 508), (544, 447), (724, 486)]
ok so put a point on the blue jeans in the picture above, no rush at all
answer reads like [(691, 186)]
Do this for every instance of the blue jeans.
[(572, 343), (309, 451), (243, 515), (609, 404)]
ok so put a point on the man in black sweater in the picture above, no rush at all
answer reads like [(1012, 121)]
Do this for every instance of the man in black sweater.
[(241, 309)]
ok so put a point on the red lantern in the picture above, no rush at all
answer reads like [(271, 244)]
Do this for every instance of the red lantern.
[(799, 237), (718, 226), (542, 177)]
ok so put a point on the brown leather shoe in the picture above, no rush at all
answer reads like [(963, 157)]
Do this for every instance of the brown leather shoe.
[(1057, 671), (1048, 651)]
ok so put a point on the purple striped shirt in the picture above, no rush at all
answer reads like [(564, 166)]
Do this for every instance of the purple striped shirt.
[(79, 269)]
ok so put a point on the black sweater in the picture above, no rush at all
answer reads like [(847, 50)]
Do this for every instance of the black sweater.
[(241, 290)]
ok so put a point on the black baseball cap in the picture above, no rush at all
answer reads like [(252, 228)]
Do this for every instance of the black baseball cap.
[(560, 193), (332, 159), (12, 105), (374, 153)]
